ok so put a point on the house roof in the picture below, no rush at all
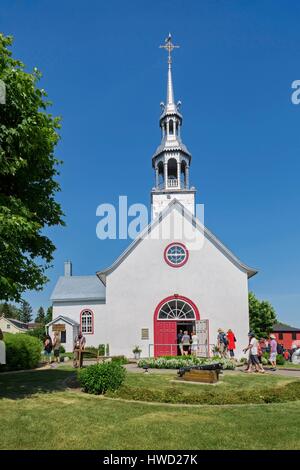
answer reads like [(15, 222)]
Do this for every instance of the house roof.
[(64, 319), (283, 327), (17, 323), (176, 205), (70, 288)]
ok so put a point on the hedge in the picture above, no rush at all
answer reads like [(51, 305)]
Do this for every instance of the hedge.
[(22, 351), (177, 362), (211, 396)]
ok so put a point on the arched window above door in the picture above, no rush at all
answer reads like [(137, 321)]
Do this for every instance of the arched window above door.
[(176, 309)]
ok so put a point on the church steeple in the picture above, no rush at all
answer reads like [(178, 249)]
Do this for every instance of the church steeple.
[(172, 159)]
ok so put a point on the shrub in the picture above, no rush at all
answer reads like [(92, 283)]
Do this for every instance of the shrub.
[(22, 351), (280, 361), (100, 378), (101, 349), (90, 351), (120, 359), (61, 350), (37, 333)]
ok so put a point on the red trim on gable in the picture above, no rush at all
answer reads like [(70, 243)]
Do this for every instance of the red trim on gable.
[(185, 259), (91, 311)]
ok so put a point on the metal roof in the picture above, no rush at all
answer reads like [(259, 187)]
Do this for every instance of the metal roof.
[(18, 324), (78, 288), (283, 327), (65, 319)]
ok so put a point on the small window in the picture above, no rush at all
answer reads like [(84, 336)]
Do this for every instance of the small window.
[(8, 326), (176, 255), (280, 336), (171, 127), (294, 335), (145, 333), (87, 322), (63, 336)]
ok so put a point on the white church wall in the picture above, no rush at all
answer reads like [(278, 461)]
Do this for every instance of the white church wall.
[(209, 278), (101, 323)]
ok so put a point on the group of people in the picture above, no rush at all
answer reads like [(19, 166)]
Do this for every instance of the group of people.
[(256, 349), (226, 343), (187, 344), (54, 345)]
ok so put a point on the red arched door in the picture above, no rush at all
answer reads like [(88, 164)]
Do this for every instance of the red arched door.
[(168, 313)]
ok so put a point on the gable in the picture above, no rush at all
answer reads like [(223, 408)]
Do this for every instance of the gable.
[(192, 231)]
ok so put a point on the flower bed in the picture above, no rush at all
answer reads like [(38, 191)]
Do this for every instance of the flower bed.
[(184, 361)]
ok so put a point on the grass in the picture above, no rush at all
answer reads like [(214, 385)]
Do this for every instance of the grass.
[(38, 412)]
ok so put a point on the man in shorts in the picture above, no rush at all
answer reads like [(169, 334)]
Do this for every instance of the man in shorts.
[(253, 348), (273, 352)]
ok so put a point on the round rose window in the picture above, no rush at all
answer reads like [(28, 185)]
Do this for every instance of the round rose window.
[(176, 255)]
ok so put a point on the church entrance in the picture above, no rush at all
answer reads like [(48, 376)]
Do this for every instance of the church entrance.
[(173, 314)]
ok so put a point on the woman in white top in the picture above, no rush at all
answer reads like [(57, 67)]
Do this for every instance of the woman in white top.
[(2, 349), (194, 344)]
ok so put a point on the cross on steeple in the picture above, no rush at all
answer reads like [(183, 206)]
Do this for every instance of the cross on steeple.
[(169, 46)]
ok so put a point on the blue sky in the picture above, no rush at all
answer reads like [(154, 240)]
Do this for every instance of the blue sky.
[(106, 76)]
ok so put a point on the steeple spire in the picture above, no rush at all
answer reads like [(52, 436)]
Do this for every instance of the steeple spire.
[(170, 105), (171, 160)]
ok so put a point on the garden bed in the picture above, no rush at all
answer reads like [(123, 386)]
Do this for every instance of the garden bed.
[(176, 362)]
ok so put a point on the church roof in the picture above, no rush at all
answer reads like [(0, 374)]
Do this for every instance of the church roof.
[(78, 288), (176, 205), (64, 319)]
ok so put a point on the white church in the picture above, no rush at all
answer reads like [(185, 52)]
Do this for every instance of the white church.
[(176, 275)]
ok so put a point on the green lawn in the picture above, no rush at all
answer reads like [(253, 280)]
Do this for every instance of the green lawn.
[(37, 412)]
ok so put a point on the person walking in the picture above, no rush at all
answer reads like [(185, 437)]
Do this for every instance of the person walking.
[(48, 349), (222, 343), (79, 345), (252, 347), (231, 339), (186, 342), (56, 345), (2, 349), (194, 346), (273, 352)]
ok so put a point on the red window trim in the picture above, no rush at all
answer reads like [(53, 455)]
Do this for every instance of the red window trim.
[(91, 311), (185, 259)]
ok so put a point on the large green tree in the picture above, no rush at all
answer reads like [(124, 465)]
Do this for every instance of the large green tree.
[(48, 318), (25, 312), (28, 167), (262, 316)]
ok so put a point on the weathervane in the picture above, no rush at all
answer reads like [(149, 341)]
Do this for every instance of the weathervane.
[(169, 46)]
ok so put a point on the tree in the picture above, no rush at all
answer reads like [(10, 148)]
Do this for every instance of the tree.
[(262, 316), (41, 316), (9, 310), (25, 312), (48, 315), (28, 167)]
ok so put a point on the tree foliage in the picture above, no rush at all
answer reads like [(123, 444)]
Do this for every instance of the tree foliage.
[(262, 316), (25, 312), (9, 310), (28, 167), (41, 316)]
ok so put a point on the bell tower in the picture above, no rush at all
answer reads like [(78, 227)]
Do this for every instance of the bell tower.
[(172, 160)]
